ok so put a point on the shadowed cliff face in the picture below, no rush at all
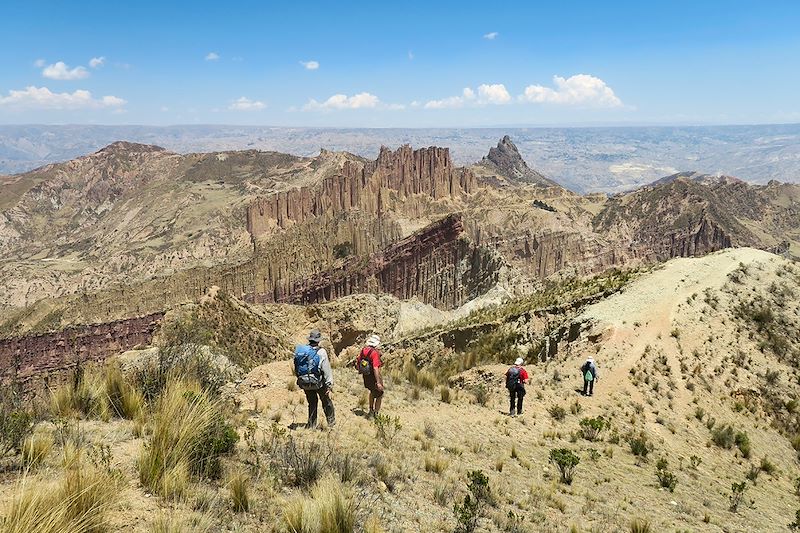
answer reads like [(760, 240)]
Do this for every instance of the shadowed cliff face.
[(436, 265)]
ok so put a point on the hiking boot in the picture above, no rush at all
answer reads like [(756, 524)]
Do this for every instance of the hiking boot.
[(331, 424), (512, 413), (519, 413), (370, 415)]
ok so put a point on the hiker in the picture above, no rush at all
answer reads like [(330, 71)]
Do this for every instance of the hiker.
[(368, 364), (516, 376), (315, 377), (590, 375)]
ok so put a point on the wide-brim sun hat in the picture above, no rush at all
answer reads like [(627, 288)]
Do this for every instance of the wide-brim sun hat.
[(374, 341), (315, 336), (519, 361)]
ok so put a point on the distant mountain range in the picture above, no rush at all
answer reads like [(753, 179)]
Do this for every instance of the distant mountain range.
[(582, 159)]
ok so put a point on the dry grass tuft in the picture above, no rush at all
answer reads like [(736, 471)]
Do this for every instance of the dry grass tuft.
[(238, 485), (328, 509), (36, 448)]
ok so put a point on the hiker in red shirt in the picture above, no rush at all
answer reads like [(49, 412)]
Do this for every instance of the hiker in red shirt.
[(368, 364), (516, 377)]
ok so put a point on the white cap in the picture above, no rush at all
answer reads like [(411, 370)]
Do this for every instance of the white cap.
[(373, 341), (590, 358), (519, 361)]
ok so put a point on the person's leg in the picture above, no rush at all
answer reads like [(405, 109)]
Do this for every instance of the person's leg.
[(312, 398), (585, 386), (591, 387), (327, 407), (520, 397), (378, 399), (371, 403), (512, 393)]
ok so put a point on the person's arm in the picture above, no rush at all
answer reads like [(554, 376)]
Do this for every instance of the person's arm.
[(378, 378), (376, 368), (596, 372), (325, 366)]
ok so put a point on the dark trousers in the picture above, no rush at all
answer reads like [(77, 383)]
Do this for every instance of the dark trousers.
[(313, 397), (588, 385), (516, 396)]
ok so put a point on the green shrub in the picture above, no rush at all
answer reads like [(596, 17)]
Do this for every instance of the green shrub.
[(387, 428), (481, 395), (468, 512), (743, 443), (640, 445), (15, 426), (557, 412), (566, 462), (189, 436), (794, 526), (666, 479), (768, 466), (591, 428), (723, 436), (737, 495)]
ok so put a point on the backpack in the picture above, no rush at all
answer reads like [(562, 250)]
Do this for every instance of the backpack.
[(306, 366), (512, 378), (364, 361), (588, 375)]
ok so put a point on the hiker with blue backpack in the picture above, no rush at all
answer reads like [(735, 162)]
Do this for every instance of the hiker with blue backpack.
[(315, 377), (516, 377), (590, 375)]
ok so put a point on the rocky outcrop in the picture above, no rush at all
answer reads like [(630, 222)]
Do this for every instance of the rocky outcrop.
[(24, 358), (436, 265), (506, 160), (372, 187)]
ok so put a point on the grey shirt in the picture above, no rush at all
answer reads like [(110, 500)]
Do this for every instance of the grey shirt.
[(325, 366)]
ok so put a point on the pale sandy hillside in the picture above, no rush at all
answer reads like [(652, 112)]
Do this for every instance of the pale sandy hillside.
[(684, 351)]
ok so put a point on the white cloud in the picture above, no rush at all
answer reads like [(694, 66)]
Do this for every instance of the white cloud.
[(410, 55), (61, 71), (467, 95), (581, 89), (491, 36), (494, 94), (245, 104), (310, 65), (39, 63), (97, 62), (212, 56), (43, 98), (487, 94), (342, 101)]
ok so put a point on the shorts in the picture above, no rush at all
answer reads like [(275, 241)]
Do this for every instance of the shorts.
[(372, 385)]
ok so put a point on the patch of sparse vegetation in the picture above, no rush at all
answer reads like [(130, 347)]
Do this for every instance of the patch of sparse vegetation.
[(557, 412), (566, 462), (592, 428), (666, 479)]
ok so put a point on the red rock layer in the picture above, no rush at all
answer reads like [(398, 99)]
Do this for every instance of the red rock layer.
[(23, 358)]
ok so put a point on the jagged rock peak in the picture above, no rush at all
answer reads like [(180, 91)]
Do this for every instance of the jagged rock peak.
[(506, 160), (129, 147)]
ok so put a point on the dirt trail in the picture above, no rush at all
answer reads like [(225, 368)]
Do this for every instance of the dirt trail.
[(645, 312)]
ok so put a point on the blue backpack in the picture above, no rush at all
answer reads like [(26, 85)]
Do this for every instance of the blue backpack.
[(306, 366)]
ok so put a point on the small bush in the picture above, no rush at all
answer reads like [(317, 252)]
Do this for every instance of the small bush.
[(797, 487), (666, 479), (639, 525), (743, 443), (15, 426), (468, 512), (189, 436), (238, 487), (794, 526), (768, 466), (124, 400), (723, 436), (557, 412), (329, 508), (387, 428), (445, 394), (737, 495), (298, 464), (481, 395), (566, 462), (36, 449), (640, 445), (591, 428), (437, 464)]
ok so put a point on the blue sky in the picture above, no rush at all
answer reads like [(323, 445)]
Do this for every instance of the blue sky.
[(405, 64)]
